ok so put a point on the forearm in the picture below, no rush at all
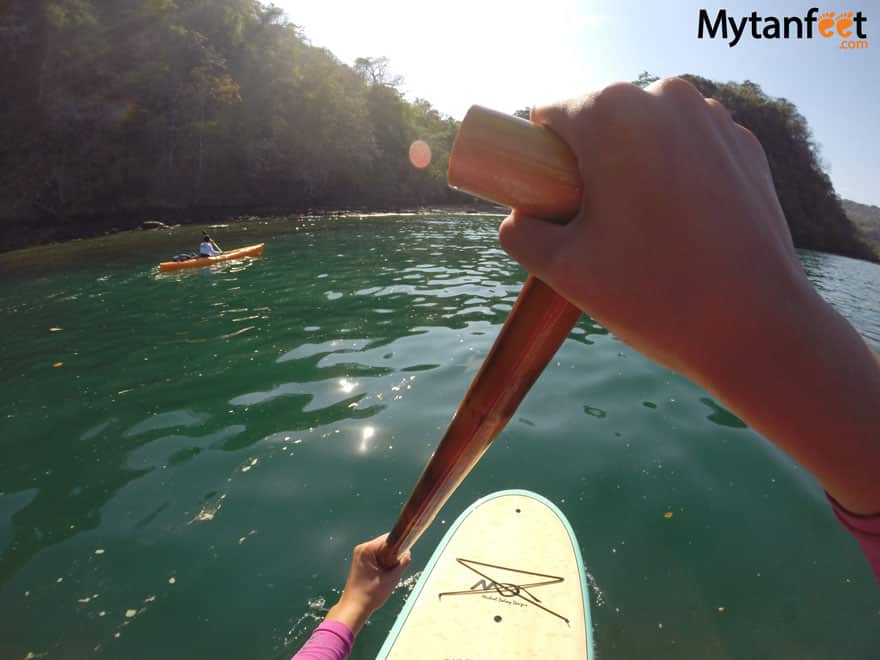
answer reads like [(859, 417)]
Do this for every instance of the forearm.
[(368, 586), (807, 381), (351, 614), (330, 641)]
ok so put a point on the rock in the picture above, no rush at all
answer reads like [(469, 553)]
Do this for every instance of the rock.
[(153, 224)]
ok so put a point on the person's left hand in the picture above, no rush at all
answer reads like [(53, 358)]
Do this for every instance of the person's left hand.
[(368, 585)]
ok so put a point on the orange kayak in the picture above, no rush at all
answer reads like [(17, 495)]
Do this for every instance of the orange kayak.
[(247, 251)]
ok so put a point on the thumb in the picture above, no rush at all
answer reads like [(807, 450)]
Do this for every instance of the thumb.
[(535, 244)]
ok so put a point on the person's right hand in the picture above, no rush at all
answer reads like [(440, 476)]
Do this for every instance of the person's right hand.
[(680, 241), (682, 250)]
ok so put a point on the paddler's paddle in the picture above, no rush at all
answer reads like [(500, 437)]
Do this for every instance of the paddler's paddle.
[(524, 166)]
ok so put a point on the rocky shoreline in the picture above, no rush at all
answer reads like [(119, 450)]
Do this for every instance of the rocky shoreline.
[(17, 235)]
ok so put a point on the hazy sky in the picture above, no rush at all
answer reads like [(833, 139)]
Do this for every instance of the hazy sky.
[(509, 54)]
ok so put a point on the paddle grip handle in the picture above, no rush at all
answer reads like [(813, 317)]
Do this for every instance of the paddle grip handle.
[(514, 162)]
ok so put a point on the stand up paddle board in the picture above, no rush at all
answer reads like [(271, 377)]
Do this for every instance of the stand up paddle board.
[(507, 581)]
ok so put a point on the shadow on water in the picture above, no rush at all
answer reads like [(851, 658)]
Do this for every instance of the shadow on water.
[(65, 504), (721, 416)]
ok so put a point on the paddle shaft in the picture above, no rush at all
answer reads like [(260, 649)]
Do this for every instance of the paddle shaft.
[(513, 162)]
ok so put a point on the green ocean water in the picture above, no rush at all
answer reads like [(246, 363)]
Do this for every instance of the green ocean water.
[(190, 481)]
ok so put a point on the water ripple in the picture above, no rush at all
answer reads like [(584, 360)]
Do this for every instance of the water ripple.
[(231, 432)]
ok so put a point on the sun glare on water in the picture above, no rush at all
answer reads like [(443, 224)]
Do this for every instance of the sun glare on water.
[(366, 435)]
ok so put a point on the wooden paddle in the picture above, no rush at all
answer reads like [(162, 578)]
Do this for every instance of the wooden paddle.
[(517, 163)]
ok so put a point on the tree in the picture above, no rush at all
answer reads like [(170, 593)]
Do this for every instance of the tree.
[(645, 79), (123, 108), (376, 71)]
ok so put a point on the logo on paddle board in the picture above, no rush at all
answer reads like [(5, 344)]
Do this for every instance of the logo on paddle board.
[(514, 593)]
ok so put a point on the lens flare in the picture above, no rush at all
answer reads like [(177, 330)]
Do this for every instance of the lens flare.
[(420, 154)]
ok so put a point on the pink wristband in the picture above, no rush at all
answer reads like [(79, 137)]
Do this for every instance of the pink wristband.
[(865, 529)]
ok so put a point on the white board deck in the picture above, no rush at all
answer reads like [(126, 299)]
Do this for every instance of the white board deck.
[(507, 581)]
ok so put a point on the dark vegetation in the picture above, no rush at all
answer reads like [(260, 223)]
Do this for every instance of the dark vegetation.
[(118, 111), (866, 219)]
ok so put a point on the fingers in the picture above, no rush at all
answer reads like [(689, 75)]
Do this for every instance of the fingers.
[(403, 561), (375, 543), (676, 90), (719, 111), (369, 551), (624, 110), (751, 146), (578, 119), (575, 119), (536, 244)]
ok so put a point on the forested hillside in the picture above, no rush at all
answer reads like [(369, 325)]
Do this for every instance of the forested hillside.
[(866, 219), (121, 106), (115, 111)]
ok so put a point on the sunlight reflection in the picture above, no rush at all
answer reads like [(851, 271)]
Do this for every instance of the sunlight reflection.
[(366, 434), (347, 386)]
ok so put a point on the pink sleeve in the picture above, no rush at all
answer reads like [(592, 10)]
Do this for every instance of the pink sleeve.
[(866, 530), (331, 640)]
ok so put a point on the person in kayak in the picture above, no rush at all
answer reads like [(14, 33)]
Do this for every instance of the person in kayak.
[(209, 248), (711, 287)]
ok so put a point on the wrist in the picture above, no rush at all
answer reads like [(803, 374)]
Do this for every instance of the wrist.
[(775, 331), (351, 612), (805, 379)]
